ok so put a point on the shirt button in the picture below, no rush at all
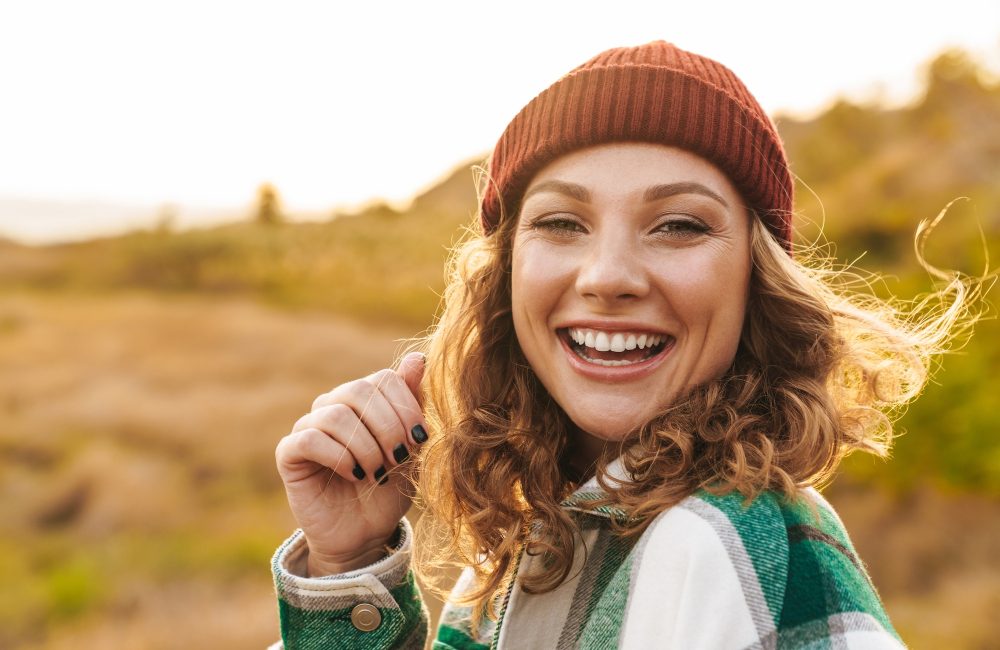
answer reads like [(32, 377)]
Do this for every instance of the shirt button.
[(366, 617)]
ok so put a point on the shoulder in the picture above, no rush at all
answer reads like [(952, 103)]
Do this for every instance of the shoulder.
[(791, 559), (724, 540), (828, 588)]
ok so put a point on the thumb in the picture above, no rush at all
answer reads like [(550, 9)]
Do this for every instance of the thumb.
[(411, 369)]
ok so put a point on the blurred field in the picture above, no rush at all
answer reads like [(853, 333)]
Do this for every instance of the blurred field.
[(145, 380), (138, 474)]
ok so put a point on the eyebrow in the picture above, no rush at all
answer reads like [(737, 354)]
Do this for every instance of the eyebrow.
[(652, 193), (657, 192)]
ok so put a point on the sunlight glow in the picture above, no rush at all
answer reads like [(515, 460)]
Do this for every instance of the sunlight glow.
[(197, 103)]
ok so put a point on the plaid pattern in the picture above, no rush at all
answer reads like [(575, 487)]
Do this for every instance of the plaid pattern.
[(712, 572)]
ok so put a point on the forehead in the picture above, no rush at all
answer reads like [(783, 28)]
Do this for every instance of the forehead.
[(626, 168)]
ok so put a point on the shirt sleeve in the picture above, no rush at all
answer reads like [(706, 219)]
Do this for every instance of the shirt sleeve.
[(378, 606)]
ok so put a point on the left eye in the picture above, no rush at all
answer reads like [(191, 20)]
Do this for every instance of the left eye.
[(688, 227)]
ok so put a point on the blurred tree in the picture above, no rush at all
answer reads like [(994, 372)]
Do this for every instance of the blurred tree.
[(268, 211), (954, 71), (166, 219)]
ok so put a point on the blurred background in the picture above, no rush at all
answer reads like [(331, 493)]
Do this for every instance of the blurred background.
[(212, 212)]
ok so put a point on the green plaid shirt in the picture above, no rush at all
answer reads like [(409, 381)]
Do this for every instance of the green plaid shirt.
[(711, 572)]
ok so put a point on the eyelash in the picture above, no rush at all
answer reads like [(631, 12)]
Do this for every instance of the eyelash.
[(556, 224), (690, 226)]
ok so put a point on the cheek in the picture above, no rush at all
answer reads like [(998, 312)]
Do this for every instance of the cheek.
[(710, 297), (729, 313), (537, 282), (528, 288)]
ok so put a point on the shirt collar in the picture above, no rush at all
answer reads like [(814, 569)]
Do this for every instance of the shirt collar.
[(591, 490)]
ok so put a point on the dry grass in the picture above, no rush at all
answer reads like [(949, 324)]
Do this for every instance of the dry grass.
[(141, 504), (138, 475)]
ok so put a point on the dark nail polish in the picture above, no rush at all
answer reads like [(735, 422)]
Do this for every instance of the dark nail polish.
[(358, 472), (419, 434), (400, 453), (380, 474), (384, 480)]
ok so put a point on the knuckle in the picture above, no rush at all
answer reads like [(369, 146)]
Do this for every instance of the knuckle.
[(355, 391), (302, 422), (281, 449), (319, 447), (334, 415), (320, 401), (308, 441), (383, 377)]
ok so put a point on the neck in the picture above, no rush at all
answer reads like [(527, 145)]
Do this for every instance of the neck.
[(584, 451)]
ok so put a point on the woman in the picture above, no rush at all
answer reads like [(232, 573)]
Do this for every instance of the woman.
[(630, 392)]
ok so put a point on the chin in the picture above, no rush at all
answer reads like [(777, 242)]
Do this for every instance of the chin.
[(608, 425)]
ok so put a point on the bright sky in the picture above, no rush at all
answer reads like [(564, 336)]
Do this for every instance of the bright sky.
[(195, 103)]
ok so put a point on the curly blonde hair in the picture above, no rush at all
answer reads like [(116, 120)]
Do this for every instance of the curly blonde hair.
[(821, 370)]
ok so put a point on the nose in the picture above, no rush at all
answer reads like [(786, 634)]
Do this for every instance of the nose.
[(611, 271)]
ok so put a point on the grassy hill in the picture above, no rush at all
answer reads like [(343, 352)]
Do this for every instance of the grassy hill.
[(378, 265)]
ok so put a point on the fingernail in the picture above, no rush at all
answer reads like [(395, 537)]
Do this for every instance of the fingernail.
[(400, 453), (358, 472), (385, 479), (419, 434), (380, 474)]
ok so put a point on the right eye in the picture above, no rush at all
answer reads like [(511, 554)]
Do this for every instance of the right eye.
[(558, 224)]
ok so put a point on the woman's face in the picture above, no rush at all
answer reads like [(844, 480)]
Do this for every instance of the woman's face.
[(630, 270)]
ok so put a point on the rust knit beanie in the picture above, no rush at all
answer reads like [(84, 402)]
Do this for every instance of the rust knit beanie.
[(655, 93)]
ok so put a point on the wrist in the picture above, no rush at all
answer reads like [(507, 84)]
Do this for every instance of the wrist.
[(326, 564)]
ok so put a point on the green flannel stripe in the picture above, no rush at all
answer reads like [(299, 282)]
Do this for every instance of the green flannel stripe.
[(456, 623), (580, 502), (826, 580), (607, 606), (821, 553), (306, 629), (818, 516), (449, 638), (583, 598)]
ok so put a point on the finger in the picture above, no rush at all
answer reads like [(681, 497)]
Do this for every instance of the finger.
[(379, 415), (341, 422), (397, 392), (411, 369), (314, 446)]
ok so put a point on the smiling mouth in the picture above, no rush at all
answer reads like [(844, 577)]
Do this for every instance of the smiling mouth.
[(614, 348)]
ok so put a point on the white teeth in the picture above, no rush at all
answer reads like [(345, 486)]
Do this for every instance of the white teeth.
[(614, 341), (604, 362)]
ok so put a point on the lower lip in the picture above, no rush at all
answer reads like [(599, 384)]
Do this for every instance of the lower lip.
[(630, 372)]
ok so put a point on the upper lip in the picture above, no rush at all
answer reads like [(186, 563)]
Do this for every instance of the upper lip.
[(612, 326)]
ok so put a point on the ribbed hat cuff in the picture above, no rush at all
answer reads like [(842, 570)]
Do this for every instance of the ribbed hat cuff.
[(642, 103)]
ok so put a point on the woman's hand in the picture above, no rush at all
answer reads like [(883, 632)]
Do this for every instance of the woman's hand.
[(343, 466)]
